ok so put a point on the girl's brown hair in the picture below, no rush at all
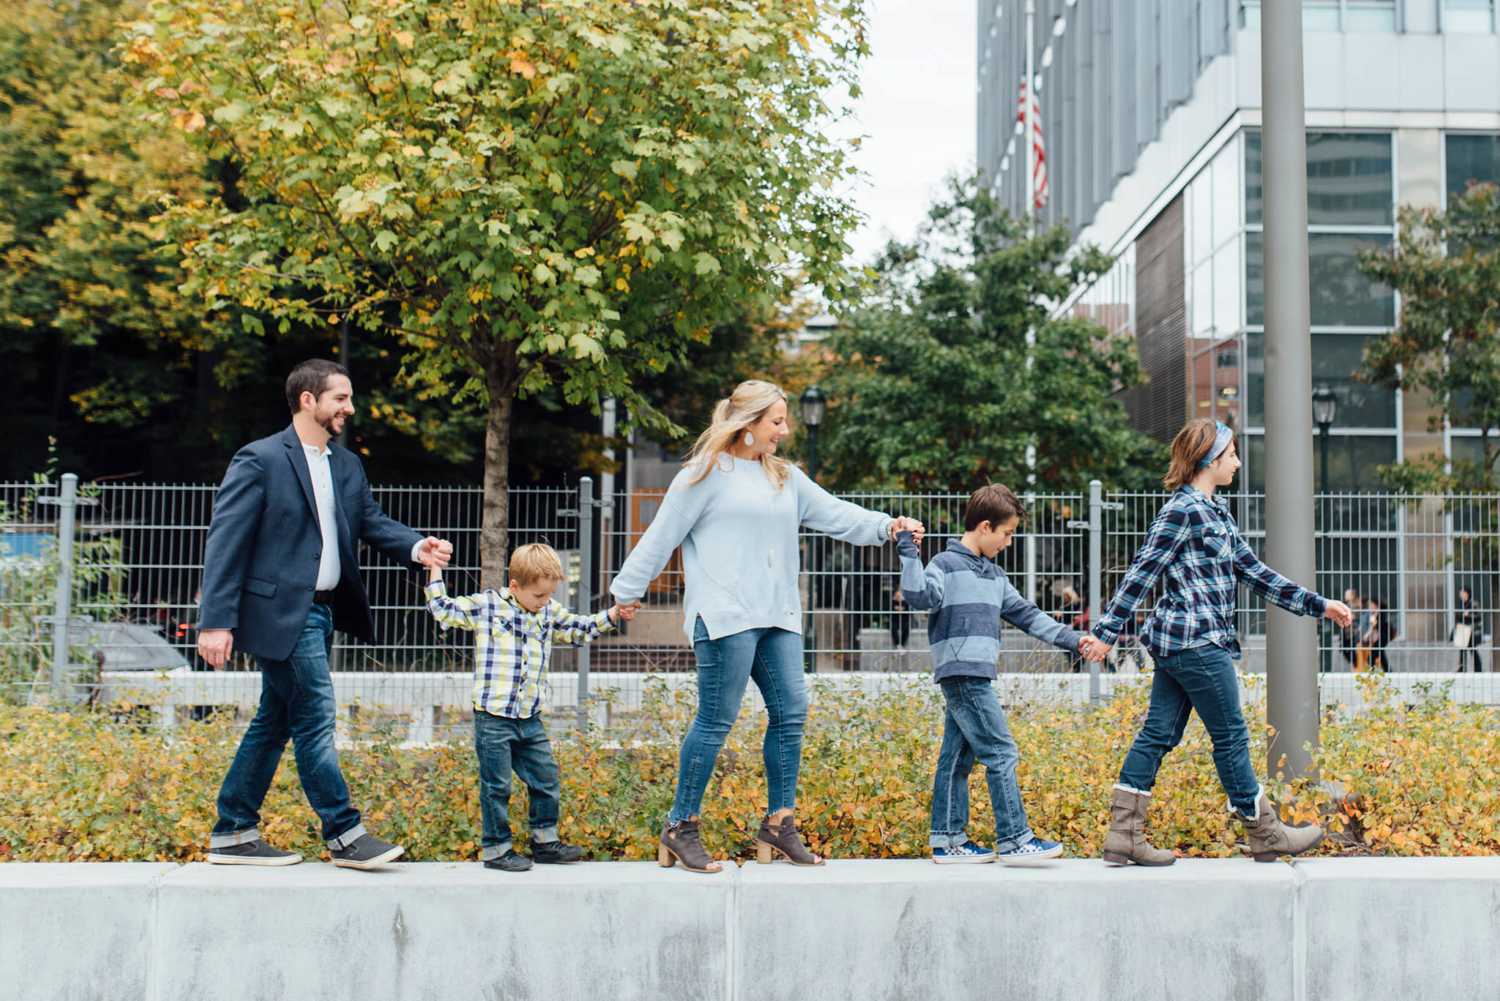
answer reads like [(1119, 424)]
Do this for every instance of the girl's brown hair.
[(1190, 447)]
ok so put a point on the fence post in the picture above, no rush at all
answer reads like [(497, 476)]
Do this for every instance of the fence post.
[(1096, 575), (67, 503), (1029, 500), (585, 589)]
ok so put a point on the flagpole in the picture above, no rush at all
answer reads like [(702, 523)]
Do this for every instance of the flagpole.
[(1028, 193)]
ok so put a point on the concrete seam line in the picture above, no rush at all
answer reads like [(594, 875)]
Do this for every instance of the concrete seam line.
[(1299, 933), (153, 933), (731, 924)]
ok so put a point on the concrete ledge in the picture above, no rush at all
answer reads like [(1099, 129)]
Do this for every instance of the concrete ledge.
[(1201, 930)]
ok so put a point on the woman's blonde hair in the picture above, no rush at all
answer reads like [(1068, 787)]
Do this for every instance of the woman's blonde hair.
[(736, 412), (1189, 448)]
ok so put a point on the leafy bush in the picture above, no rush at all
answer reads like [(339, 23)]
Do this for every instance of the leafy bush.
[(1397, 779)]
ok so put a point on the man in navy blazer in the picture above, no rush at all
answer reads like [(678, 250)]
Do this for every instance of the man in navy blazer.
[(280, 574)]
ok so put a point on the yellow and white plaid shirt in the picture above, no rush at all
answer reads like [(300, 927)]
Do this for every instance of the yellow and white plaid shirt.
[(512, 646)]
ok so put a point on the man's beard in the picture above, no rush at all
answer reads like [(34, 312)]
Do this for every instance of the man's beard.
[(326, 423)]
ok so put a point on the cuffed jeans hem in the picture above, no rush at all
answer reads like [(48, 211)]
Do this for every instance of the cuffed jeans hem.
[(1127, 788), (237, 838), (543, 835), (947, 840), (348, 838), (1011, 844), (1251, 814), (491, 852)]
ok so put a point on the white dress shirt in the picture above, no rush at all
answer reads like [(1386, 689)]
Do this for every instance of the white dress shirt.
[(320, 469)]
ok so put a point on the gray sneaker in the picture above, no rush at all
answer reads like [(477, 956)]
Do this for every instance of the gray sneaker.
[(369, 852), (255, 852)]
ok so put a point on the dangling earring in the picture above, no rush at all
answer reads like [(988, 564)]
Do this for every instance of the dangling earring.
[(749, 439)]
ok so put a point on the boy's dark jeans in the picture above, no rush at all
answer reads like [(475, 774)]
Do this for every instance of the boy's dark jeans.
[(975, 729), (503, 745), (1201, 678), (296, 703)]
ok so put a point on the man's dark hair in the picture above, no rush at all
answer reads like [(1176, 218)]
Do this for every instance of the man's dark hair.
[(994, 503), (310, 377)]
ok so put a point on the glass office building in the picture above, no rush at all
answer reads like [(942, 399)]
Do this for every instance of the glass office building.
[(1151, 116)]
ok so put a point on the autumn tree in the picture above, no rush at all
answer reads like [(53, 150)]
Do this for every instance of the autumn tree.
[(526, 193)]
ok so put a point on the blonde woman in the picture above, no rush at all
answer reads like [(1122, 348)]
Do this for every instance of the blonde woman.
[(735, 509)]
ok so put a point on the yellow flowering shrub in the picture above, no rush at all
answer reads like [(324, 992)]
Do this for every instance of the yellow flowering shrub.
[(1396, 779)]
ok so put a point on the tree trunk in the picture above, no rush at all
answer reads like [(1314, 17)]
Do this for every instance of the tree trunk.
[(494, 542)]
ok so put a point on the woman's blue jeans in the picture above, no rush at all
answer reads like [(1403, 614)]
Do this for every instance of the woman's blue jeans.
[(1201, 678), (773, 659)]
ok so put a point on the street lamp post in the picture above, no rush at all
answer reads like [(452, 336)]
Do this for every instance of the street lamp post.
[(1325, 407), (1325, 404), (813, 406)]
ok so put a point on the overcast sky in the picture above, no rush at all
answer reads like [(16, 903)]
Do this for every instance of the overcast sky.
[(916, 112)]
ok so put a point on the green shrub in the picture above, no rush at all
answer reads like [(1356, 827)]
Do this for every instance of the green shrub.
[(1408, 780)]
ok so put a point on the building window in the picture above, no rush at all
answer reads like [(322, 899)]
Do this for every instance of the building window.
[(1468, 15), (1470, 159), (1350, 209), (1334, 15)]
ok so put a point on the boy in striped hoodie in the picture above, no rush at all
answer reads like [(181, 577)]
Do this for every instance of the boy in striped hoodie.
[(968, 595)]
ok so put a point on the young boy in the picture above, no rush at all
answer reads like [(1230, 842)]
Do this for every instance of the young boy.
[(968, 596), (513, 634)]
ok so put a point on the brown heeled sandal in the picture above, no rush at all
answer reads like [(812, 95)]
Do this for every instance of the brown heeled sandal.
[(680, 843), (784, 840)]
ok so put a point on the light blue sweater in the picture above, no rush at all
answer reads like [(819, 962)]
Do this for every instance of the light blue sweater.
[(739, 545)]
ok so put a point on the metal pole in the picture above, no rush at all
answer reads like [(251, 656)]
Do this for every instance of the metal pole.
[(809, 631), (1291, 642), (1028, 196), (63, 602), (1096, 577), (585, 589)]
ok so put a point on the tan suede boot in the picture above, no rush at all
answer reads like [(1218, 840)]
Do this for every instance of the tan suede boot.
[(1270, 838), (1126, 841)]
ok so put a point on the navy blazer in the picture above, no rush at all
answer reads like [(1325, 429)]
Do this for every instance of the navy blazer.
[(260, 563)]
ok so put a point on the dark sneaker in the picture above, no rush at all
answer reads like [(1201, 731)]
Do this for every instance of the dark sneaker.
[(255, 852), (369, 852), (511, 861), (968, 852), (555, 852)]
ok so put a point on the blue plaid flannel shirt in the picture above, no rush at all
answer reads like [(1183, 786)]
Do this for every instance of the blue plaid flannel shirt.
[(512, 647), (1196, 544)]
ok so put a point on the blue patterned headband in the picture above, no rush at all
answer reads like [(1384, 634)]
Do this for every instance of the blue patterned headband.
[(1222, 437)]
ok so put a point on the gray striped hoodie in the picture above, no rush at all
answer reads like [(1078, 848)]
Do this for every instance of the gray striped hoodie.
[(968, 595)]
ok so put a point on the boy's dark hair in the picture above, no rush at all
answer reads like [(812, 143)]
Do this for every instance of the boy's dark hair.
[(311, 377), (994, 503)]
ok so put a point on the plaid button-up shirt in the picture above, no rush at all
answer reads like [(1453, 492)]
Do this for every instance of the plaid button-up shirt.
[(1195, 543), (512, 646)]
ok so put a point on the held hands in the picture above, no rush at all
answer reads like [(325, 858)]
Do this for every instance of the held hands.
[(904, 524), (215, 646), (1339, 613), (434, 553), (625, 612), (1093, 648)]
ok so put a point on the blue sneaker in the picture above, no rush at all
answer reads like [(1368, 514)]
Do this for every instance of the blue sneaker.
[(967, 852), (1032, 852)]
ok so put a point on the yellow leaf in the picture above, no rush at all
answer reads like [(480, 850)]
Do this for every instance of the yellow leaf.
[(523, 66), (404, 39)]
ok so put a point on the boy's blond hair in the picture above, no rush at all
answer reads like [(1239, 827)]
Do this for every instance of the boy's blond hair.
[(533, 562)]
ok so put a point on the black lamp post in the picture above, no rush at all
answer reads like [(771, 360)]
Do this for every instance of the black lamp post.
[(1325, 405), (813, 407)]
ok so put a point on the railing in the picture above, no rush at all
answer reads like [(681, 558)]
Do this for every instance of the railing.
[(136, 565)]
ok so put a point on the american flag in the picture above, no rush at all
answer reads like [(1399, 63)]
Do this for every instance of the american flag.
[(1039, 187)]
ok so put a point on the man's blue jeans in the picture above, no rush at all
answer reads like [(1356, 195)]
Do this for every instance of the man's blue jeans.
[(504, 745), (1201, 678), (296, 702), (773, 658), (975, 729)]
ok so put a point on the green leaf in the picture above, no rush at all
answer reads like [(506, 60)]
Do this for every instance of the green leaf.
[(385, 240), (705, 264)]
